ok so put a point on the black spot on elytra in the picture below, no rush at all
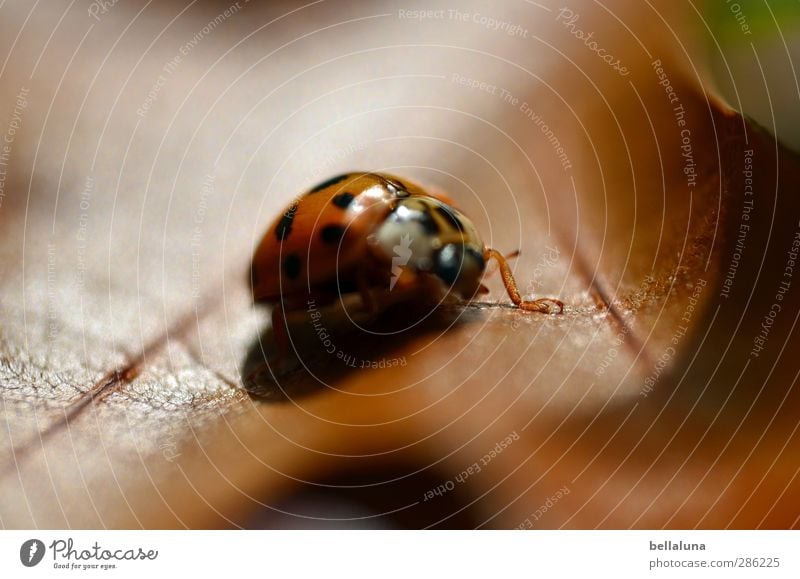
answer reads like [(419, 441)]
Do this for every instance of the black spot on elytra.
[(343, 200), (332, 233), (284, 227), (328, 183), (291, 266), (450, 217)]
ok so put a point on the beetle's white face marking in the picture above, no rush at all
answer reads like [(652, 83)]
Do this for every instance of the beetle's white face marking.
[(403, 228), (425, 235)]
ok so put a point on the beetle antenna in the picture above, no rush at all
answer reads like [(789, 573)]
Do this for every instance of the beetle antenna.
[(543, 305)]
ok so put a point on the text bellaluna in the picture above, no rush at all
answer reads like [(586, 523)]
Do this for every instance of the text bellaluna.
[(679, 546)]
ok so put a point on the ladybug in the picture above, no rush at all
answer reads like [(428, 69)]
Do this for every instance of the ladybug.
[(373, 234)]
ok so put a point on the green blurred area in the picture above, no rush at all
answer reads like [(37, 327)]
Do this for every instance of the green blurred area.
[(755, 48)]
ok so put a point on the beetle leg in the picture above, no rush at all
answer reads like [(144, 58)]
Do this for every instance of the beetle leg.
[(544, 305), (508, 256)]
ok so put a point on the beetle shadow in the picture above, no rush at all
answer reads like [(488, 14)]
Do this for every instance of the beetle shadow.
[(328, 346)]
